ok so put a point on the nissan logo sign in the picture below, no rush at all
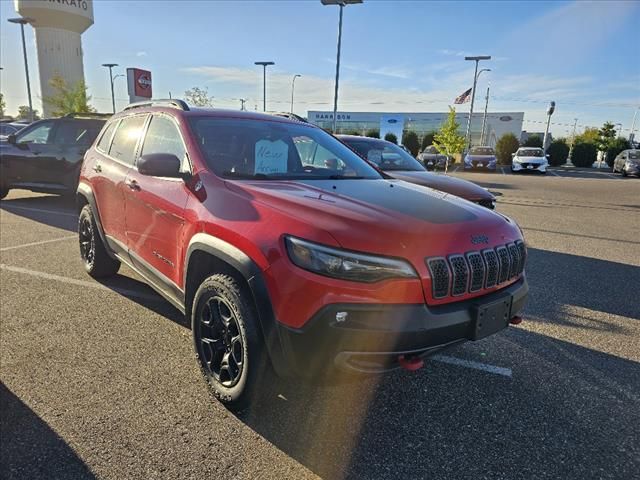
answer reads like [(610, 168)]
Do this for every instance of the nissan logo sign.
[(144, 81), (506, 118), (392, 120)]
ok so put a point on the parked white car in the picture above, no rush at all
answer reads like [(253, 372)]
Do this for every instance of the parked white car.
[(531, 159)]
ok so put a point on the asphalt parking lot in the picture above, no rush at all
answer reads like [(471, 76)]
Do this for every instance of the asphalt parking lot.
[(98, 380)]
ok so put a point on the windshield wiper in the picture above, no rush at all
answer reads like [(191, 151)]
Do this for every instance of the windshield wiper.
[(343, 177)]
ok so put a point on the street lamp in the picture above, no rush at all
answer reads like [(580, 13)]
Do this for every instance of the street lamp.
[(341, 4), (473, 95), (264, 82), (293, 84), (569, 163), (486, 106), (633, 127), (550, 109), (22, 21), (113, 98)]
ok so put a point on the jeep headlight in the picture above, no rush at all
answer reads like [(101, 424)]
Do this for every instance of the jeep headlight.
[(344, 264)]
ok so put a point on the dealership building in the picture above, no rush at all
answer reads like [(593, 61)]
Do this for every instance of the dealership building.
[(498, 123)]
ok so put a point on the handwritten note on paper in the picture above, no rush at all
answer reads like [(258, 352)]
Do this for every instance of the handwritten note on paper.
[(271, 157)]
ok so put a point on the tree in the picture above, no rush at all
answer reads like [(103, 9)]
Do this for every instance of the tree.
[(390, 137), (583, 154), (533, 141), (558, 152), (608, 130), (411, 141), (2, 105), (68, 99), (427, 140), (448, 141), (199, 97), (506, 145), (590, 135), (372, 133), (23, 113)]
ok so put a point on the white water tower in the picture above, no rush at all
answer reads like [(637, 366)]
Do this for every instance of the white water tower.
[(58, 25)]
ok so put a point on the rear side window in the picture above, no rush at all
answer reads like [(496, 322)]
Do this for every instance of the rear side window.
[(123, 146), (76, 133), (37, 134), (163, 137), (105, 140)]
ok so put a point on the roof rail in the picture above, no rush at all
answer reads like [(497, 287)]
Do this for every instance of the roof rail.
[(168, 102), (88, 115)]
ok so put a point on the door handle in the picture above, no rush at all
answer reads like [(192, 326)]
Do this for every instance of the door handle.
[(132, 184), (97, 168)]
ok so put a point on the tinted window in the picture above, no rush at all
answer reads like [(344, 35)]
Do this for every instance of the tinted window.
[(105, 140), (633, 154), (239, 148), (163, 137), (530, 152), (481, 151), (7, 129), (38, 134), (77, 133), (386, 155), (123, 146)]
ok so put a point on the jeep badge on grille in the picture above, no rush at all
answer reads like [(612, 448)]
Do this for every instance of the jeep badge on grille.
[(477, 239)]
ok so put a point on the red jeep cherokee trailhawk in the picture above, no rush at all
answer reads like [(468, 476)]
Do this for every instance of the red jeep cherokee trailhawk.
[(287, 250)]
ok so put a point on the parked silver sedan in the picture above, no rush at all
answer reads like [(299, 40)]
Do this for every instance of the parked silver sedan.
[(432, 159)]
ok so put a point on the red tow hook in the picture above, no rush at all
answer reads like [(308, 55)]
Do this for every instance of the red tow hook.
[(517, 320), (411, 363)]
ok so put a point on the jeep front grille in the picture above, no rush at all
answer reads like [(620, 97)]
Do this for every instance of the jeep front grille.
[(472, 271)]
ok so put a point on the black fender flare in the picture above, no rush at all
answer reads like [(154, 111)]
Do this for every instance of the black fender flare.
[(253, 276), (86, 192)]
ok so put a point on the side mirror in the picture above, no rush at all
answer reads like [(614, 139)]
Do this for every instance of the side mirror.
[(513, 155), (160, 165), (11, 139), (547, 155)]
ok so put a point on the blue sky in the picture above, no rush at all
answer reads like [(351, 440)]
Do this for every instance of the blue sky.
[(397, 56)]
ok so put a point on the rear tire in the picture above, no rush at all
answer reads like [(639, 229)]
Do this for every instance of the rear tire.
[(3, 192), (624, 172), (93, 252), (228, 343)]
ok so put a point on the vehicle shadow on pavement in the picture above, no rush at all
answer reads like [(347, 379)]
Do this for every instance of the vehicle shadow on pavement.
[(30, 449), (52, 210), (560, 281), (567, 412)]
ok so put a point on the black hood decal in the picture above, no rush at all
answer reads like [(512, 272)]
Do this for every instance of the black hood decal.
[(415, 201)]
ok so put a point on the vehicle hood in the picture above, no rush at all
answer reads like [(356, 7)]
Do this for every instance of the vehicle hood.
[(444, 183), (530, 159), (389, 217), (433, 155)]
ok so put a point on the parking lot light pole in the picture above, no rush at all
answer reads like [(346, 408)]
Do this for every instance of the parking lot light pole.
[(113, 98), (22, 21), (486, 106), (293, 85), (569, 163), (633, 127), (341, 4), (550, 109), (264, 83), (476, 59)]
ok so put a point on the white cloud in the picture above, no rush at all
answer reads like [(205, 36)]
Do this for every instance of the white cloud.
[(141, 54)]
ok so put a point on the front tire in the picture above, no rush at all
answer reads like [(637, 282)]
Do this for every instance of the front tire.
[(93, 252), (4, 191), (227, 341), (624, 172)]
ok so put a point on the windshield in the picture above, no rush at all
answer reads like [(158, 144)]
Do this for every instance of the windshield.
[(530, 152), (481, 151), (634, 155), (385, 155), (431, 150), (256, 149)]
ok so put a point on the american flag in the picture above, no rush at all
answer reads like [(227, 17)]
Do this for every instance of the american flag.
[(463, 97)]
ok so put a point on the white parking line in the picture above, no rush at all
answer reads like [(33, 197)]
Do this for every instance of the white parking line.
[(4, 249), (455, 169), (502, 170), (39, 210), (80, 283), (506, 372), (553, 173)]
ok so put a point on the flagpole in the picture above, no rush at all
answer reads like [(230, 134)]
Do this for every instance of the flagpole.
[(473, 97)]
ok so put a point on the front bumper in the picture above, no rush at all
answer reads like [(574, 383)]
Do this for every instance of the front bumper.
[(480, 166), (529, 166), (631, 169), (371, 337)]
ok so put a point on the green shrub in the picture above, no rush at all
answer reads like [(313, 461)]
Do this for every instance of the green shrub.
[(558, 152), (614, 147), (411, 141), (506, 145), (372, 133), (390, 137), (534, 141), (353, 132), (584, 154)]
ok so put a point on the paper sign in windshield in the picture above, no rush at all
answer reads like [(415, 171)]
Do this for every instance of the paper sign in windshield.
[(271, 157)]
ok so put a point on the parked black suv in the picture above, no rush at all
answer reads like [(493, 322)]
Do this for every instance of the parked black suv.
[(46, 156)]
